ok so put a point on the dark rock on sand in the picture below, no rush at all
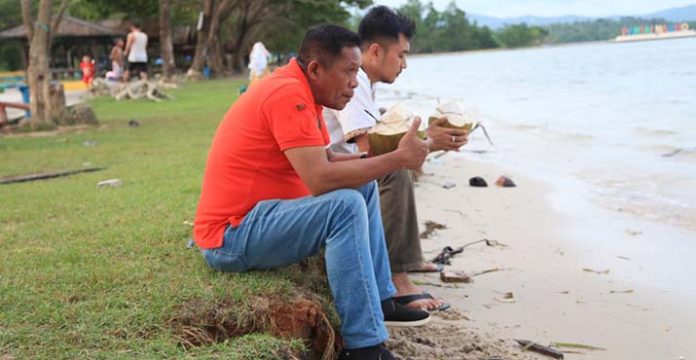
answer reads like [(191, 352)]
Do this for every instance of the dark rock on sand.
[(478, 182)]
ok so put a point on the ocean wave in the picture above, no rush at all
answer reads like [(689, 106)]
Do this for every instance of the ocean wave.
[(671, 151), (558, 135), (576, 137), (520, 99), (525, 127), (681, 154), (654, 132), (661, 149), (646, 199)]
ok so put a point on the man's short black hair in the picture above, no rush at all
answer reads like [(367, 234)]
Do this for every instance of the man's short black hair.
[(324, 43), (382, 23)]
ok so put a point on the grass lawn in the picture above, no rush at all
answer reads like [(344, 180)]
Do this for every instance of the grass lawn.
[(100, 273)]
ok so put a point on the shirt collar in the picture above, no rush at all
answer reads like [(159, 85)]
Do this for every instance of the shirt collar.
[(296, 70), (362, 77)]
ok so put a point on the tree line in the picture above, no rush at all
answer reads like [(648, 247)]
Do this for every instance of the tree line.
[(596, 30), (451, 30), (227, 28)]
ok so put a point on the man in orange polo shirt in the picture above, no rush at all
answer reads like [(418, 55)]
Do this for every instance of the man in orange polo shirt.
[(273, 194)]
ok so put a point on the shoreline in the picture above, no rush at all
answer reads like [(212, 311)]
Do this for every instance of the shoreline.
[(542, 46), (563, 289), (502, 49)]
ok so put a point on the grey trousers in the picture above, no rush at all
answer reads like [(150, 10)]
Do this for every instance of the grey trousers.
[(398, 204)]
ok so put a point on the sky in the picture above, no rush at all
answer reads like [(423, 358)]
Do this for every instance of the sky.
[(513, 8)]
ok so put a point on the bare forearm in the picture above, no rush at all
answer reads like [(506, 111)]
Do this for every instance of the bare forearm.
[(335, 157), (129, 43), (355, 173), (321, 175)]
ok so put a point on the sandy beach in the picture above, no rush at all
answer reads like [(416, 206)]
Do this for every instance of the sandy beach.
[(562, 289)]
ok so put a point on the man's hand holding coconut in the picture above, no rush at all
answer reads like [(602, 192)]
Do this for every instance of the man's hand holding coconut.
[(412, 149), (384, 136), (445, 138)]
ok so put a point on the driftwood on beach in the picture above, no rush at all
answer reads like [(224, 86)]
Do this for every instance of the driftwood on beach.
[(135, 90)]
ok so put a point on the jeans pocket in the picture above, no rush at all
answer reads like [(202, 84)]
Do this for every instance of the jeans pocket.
[(219, 259), (230, 256)]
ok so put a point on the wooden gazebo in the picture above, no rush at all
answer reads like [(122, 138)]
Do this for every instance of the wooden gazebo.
[(73, 39), (76, 37)]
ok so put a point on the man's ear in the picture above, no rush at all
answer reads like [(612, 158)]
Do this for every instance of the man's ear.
[(313, 69), (375, 51)]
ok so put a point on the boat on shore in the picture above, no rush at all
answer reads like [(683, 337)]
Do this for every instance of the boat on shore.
[(655, 32)]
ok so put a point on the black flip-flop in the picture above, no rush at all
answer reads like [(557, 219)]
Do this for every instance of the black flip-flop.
[(407, 299)]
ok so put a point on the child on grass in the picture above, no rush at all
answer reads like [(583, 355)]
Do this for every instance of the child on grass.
[(87, 67)]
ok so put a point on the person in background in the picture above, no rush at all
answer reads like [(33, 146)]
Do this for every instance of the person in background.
[(258, 62), (136, 50), (88, 70), (116, 57)]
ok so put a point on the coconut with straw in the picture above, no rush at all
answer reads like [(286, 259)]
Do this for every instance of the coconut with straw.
[(456, 118)]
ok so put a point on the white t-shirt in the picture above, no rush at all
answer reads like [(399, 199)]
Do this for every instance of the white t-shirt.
[(354, 119), (138, 50)]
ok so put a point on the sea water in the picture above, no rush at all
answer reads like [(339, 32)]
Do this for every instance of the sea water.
[(611, 127)]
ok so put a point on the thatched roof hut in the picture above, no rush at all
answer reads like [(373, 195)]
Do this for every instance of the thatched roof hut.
[(76, 37), (69, 27), (73, 38)]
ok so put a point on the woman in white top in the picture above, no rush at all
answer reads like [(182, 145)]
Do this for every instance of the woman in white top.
[(136, 49), (258, 62)]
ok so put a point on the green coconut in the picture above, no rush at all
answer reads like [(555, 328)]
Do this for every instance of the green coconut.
[(391, 127), (455, 117), (468, 126)]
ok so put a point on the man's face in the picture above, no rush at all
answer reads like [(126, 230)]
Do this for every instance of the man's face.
[(393, 60), (333, 86)]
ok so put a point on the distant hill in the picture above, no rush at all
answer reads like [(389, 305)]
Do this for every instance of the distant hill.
[(496, 23), (686, 13)]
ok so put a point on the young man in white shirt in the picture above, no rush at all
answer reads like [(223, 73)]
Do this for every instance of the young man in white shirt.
[(385, 43)]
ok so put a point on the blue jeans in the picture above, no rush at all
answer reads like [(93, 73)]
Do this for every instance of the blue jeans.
[(348, 224)]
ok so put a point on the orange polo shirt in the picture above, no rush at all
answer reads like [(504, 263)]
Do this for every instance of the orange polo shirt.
[(246, 163)]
